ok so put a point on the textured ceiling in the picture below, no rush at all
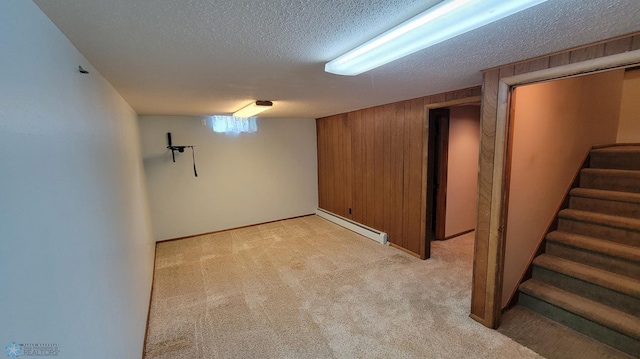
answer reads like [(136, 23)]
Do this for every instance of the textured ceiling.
[(205, 57)]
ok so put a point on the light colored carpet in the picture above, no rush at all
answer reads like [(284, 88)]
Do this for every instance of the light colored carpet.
[(306, 288)]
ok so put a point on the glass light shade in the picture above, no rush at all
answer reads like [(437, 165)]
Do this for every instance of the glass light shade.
[(253, 109)]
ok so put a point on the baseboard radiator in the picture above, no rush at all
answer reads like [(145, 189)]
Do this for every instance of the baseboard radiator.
[(361, 229)]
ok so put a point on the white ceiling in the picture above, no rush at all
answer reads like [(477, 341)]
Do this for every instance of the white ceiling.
[(205, 57)]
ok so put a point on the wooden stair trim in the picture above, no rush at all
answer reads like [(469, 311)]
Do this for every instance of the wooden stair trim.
[(608, 220), (604, 315), (600, 277), (601, 246)]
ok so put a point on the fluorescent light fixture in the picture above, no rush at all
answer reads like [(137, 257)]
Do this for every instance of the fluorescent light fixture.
[(441, 22), (253, 109)]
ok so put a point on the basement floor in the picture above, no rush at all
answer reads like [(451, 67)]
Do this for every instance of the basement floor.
[(551, 339), (306, 288)]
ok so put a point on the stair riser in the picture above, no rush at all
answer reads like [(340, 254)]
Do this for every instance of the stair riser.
[(622, 183), (614, 234), (625, 209), (594, 259), (618, 161), (582, 325), (588, 290)]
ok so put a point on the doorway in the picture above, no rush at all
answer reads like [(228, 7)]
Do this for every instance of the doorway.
[(498, 86), (452, 163), (439, 140)]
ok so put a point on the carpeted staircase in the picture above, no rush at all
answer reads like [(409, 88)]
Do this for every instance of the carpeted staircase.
[(589, 276)]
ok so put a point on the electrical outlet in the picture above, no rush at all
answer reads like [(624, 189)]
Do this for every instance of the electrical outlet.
[(204, 121)]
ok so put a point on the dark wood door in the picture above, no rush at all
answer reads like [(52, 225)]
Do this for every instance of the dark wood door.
[(437, 173)]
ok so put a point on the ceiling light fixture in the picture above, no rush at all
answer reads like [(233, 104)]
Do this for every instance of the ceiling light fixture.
[(444, 21), (253, 109)]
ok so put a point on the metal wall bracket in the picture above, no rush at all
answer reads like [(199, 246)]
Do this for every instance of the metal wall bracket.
[(180, 149)]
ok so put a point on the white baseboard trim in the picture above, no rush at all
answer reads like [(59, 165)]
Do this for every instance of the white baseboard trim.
[(361, 229)]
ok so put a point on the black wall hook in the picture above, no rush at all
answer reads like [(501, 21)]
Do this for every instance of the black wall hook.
[(181, 150)]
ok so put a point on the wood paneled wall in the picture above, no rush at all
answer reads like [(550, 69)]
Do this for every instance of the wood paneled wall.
[(374, 162), (489, 243)]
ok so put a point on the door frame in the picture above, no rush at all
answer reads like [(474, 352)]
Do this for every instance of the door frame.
[(429, 167), (488, 271)]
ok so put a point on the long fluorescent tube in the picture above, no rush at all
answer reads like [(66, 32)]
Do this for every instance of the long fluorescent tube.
[(441, 22), (253, 109)]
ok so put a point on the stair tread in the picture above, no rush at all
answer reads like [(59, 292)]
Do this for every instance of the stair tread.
[(618, 149), (600, 277), (623, 157), (603, 246), (601, 218), (597, 312), (607, 195), (612, 172)]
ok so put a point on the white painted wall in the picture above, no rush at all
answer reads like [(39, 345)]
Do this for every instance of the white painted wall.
[(243, 179), (462, 169), (77, 251)]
